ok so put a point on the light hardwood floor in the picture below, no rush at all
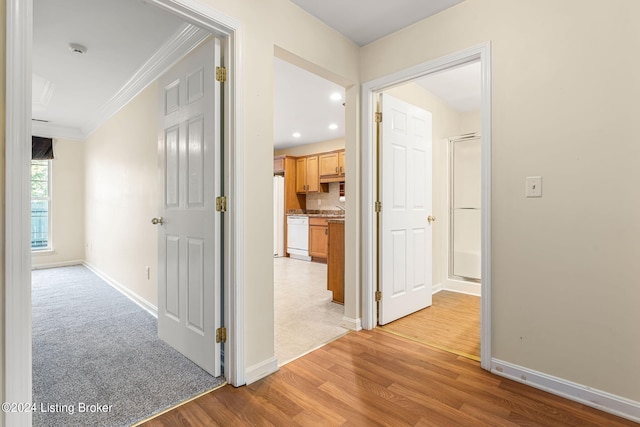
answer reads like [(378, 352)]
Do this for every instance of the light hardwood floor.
[(373, 378), (452, 323)]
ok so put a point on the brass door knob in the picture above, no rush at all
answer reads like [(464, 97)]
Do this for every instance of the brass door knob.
[(156, 221), (430, 219)]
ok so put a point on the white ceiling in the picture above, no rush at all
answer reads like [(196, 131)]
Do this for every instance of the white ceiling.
[(72, 91), (77, 86), (303, 104), (364, 21), (459, 87)]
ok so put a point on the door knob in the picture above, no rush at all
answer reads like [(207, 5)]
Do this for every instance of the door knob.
[(156, 221), (430, 219)]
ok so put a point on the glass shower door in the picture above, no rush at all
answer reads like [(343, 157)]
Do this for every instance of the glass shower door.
[(465, 192)]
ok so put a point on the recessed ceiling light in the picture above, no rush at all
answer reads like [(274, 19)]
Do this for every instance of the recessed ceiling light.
[(333, 126), (336, 96), (296, 135)]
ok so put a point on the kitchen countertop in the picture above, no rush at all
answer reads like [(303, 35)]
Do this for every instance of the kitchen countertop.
[(311, 213)]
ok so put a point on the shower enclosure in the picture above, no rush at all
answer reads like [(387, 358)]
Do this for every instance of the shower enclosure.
[(464, 208)]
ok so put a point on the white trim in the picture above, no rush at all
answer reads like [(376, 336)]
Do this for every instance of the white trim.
[(462, 287), (261, 370), (56, 264), (436, 288), (187, 38), (481, 52), (143, 303), (17, 279), (588, 396), (17, 338), (51, 130), (351, 324), (485, 141)]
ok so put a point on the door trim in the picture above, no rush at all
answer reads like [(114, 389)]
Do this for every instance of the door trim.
[(17, 278), (482, 53)]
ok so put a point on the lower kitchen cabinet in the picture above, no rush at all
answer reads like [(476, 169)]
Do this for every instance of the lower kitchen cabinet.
[(318, 238), (335, 261)]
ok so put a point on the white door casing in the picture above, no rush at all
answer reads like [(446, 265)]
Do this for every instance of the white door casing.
[(189, 237), (405, 190)]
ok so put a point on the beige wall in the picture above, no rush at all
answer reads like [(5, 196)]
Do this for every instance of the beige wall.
[(2, 195), (470, 122), (122, 196), (67, 205), (565, 289)]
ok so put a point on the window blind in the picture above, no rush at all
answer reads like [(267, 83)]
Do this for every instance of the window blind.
[(41, 148)]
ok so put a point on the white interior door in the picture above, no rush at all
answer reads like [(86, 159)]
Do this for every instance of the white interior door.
[(189, 235), (405, 232)]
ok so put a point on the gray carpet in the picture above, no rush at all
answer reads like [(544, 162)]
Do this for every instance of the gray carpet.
[(93, 346)]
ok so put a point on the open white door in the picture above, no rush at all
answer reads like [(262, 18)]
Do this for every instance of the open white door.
[(405, 231), (189, 236)]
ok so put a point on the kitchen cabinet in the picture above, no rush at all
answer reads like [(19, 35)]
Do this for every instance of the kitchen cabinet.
[(332, 166), (307, 176), (318, 238), (279, 164), (335, 260)]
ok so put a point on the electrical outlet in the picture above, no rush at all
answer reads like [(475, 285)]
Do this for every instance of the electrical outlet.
[(319, 202), (534, 186)]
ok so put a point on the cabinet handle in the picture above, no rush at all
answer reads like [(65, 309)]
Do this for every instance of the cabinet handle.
[(341, 168), (336, 169), (326, 231)]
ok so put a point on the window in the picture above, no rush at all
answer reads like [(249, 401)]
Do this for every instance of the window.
[(40, 205)]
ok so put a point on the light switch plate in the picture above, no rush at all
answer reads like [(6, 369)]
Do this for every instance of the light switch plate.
[(534, 186)]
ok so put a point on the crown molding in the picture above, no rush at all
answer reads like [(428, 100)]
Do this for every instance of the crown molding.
[(183, 41), (50, 130)]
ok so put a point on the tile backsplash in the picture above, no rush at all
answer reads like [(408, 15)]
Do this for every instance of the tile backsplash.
[(326, 201)]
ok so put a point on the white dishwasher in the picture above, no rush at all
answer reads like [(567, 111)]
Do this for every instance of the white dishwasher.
[(298, 237)]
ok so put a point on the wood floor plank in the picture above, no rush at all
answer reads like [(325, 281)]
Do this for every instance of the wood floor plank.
[(372, 378), (451, 322)]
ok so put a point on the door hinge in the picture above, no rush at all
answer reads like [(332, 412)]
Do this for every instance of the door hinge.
[(221, 74), (221, 204), (221, 335), (378, 207), (378, 117), (378, 296)]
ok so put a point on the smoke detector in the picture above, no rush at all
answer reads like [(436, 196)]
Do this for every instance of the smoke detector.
[(77, 48)]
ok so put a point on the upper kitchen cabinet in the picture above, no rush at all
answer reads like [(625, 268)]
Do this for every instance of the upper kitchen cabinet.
[(307, 176), (279, 164), (332, 166)]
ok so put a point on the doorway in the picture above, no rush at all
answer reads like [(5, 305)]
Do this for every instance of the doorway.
[(18, 282), (479, 54), (309, 175)]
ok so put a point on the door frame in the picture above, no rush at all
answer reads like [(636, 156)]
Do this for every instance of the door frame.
[(369, 161), (17, 278)]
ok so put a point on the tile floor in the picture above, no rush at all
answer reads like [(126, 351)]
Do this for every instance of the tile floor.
[(305, 317)]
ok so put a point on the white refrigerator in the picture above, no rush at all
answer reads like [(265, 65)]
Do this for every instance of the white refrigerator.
[(278, 216)]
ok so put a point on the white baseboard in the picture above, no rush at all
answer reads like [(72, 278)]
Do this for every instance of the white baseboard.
[(56, 264), (351, 324), (588, 396), (436, 288), (143, 303), (470, 288), (261, 370)]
